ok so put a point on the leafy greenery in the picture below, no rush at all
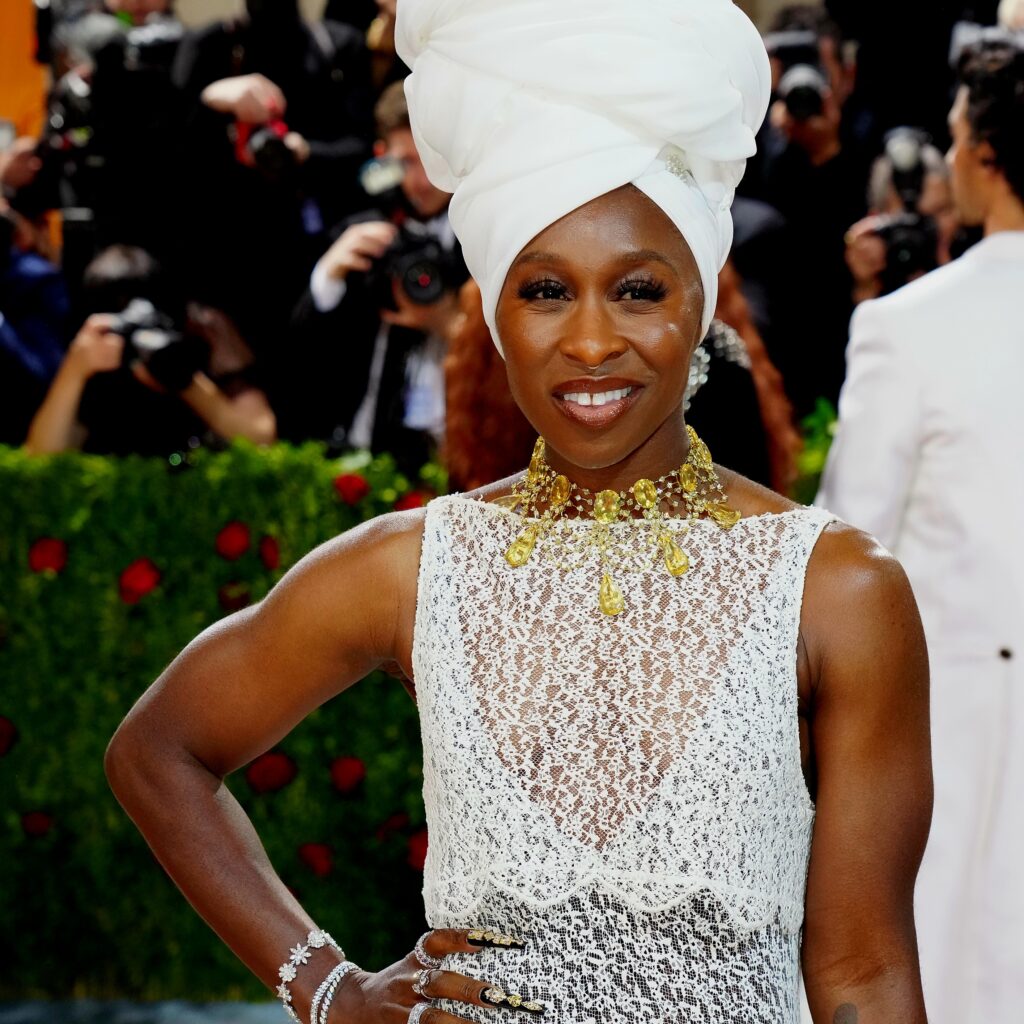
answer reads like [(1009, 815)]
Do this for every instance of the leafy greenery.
[(87, 909), (818, 429)]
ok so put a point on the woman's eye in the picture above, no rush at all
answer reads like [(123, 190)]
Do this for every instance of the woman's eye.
[(544, 290), (641, 290)]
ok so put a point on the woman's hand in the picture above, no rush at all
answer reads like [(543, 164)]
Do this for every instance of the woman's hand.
[(389, 997)]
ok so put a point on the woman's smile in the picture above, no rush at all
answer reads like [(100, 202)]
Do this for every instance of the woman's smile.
[(596, 401)]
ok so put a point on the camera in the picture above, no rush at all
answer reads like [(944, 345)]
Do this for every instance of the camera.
[(421, 266), (264, 148), (911, 244), (153, 338), (904, 149), (151, 47), (803, 89)]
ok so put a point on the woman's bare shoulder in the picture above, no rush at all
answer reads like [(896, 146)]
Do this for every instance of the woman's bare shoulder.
[(847, 565)]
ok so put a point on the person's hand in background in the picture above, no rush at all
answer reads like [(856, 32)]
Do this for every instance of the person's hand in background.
[(357, 248), (250, 99)]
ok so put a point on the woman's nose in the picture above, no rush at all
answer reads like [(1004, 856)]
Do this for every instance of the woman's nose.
[(591, 337)]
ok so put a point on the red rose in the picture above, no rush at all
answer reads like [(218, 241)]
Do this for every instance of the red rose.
[(414, 499), (47, 553), (138, 580), (233, 541), (233, 596), (270, 772), (36, 823), (317, 857), (351, 488), (347, 773), (417, 856), (8, 735), (270, 551), (393, 824)]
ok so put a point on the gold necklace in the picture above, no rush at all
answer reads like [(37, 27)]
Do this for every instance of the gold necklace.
[(543, 497)]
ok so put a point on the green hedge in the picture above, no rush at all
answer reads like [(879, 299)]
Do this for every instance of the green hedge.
[(107, 569)]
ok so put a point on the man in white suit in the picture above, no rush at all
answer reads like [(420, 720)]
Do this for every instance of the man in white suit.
[(929, 457)]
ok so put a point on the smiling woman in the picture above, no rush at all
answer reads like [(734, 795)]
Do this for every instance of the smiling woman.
[(675, 728)]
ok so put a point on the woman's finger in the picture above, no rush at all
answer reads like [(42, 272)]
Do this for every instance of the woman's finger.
[(441, 941), (433, 983)]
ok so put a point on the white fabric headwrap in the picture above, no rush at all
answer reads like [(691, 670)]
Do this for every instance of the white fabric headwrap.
[(528, 109)]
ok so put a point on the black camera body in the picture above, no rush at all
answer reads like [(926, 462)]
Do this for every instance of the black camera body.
[(171, 356), (269, 153), (911, 246), (803, 89), (421, 266)]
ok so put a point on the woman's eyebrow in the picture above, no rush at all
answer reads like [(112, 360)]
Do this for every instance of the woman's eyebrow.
[(633, 256), (535, 256), (647, 256)]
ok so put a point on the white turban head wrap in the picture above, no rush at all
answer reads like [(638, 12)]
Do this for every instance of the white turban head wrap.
[(528, 109)]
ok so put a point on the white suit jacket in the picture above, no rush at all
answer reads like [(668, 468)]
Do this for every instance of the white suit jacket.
[(929, 457), (929, 453)]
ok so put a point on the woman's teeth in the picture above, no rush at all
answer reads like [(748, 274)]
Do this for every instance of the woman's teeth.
[(601, 398)]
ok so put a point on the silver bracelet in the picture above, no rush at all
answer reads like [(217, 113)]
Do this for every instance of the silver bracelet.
[(287, 972), (329, 987)]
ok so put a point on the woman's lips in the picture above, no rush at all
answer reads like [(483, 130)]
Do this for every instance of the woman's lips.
[(597, 415)]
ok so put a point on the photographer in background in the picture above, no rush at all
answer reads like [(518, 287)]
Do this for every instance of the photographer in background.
[(280, 123), (145, 375), (812, 174), (913, 220), (929, 458), (365, 366)]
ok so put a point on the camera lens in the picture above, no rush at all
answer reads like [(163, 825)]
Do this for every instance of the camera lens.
[(422, 282)]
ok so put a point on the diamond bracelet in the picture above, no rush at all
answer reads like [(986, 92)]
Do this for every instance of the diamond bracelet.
[(287, 972), (321, 1005)]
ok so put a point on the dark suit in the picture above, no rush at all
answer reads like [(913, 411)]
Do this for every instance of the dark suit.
[(322, 379)]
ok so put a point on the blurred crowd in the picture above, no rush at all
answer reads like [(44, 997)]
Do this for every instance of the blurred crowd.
[(227, 232)]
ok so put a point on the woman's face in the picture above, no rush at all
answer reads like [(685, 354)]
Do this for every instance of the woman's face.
[(598, 318)]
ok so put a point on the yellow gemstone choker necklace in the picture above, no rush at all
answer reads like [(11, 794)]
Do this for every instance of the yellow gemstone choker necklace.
[(660, 513)]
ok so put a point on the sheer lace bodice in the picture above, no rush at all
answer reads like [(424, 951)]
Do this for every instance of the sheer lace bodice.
[(624, 793)]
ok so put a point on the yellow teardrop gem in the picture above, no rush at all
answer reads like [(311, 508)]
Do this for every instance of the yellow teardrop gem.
[(606, 507), (688, 478), (521, 548), (611, 600), (646, 494), (724, 516), (677, 561), (560, 491)]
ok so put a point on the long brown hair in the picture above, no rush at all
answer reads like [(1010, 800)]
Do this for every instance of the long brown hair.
[(487, 437)]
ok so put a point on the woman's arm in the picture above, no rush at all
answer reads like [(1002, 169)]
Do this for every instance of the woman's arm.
[(234, 692), (864, 650)]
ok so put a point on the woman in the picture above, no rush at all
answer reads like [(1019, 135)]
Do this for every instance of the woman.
[(630, 688)]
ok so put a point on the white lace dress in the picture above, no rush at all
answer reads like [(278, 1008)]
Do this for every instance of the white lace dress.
[(625, 794)]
